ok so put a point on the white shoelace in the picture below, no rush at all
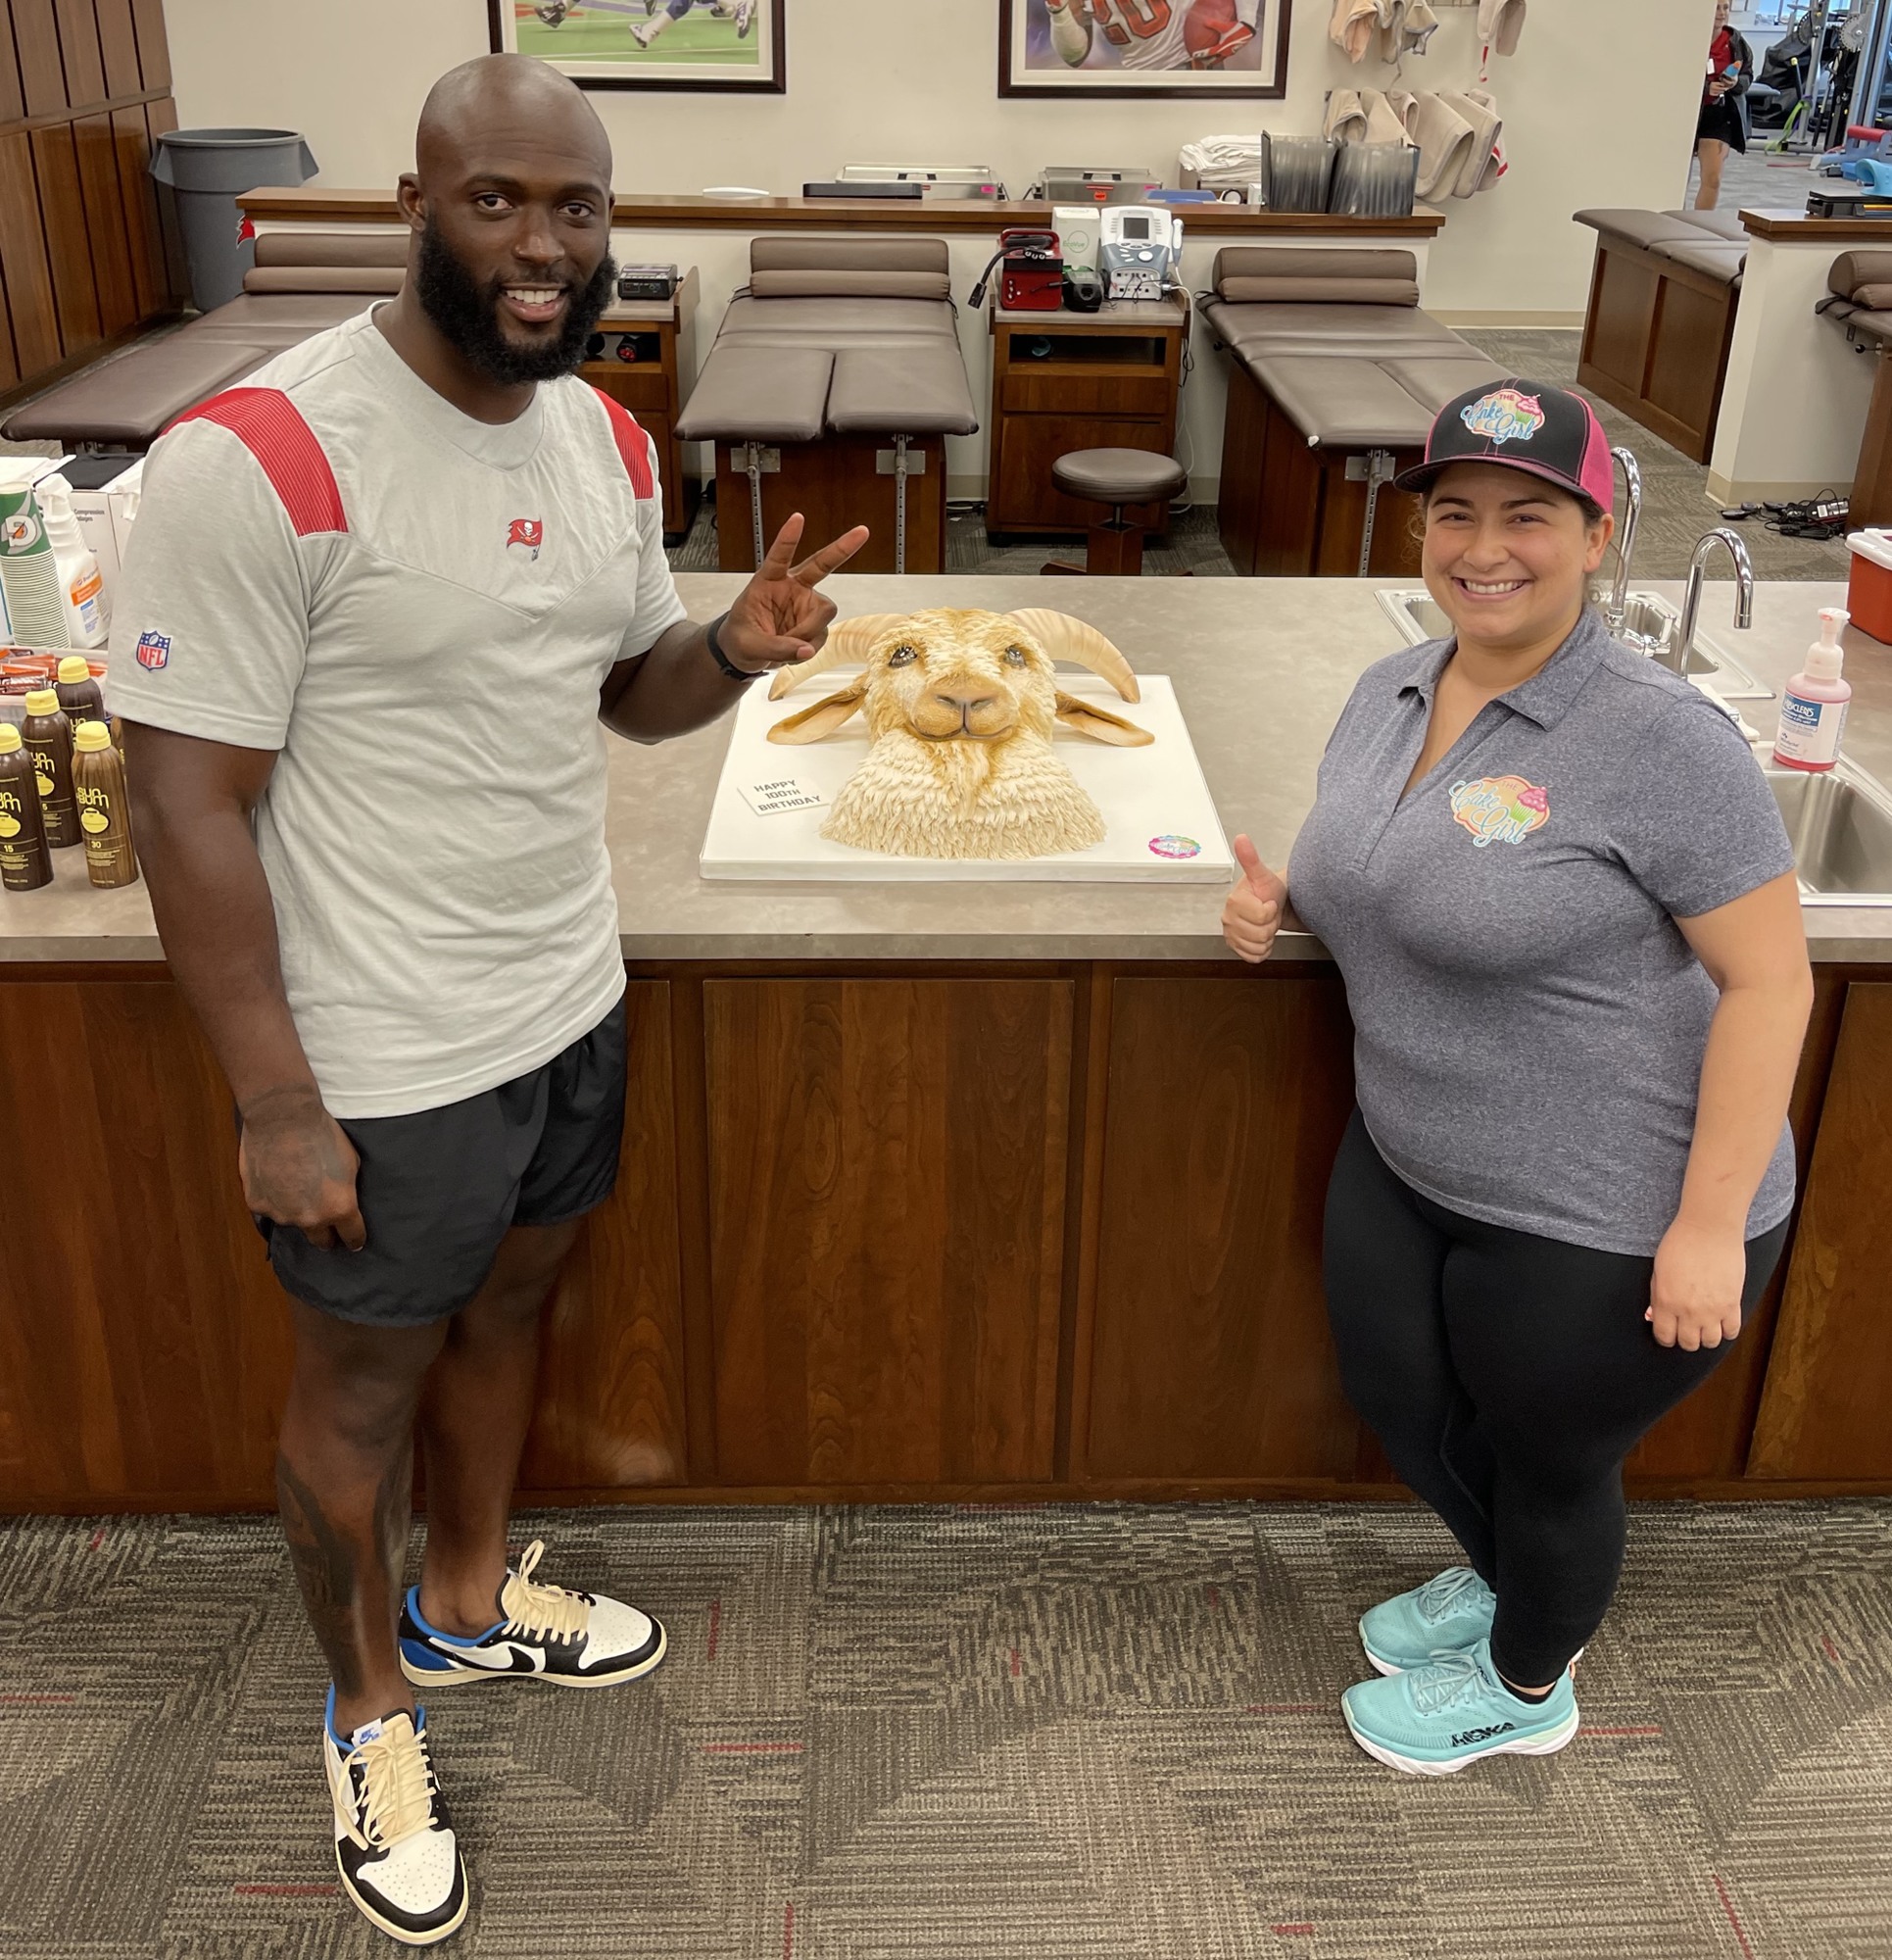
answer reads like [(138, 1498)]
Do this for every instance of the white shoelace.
[(1439, 1597), (397, 1783), (542, 1612)]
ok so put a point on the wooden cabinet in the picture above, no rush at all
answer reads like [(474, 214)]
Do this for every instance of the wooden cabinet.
[(644, 356), (1064, 381), (887, 1188), (612, 1378), (1210, 1357), (1826, 1412)]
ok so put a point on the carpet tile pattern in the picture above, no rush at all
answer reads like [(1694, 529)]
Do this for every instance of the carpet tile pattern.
[(971, 1732)]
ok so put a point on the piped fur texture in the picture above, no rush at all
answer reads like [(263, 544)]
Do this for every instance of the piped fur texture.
[(960, 708)]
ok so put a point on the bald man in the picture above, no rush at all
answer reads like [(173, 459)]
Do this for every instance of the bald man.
[(380, 600)]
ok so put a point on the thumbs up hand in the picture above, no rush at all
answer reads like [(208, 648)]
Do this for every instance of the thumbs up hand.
[(1251, 916)]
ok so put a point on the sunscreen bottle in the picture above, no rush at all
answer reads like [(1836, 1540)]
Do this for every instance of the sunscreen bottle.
[(1813, 703), (48, 737), (81, 584), (103, 813), (24, 861)]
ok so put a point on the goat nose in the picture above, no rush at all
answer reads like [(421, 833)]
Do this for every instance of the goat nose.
[(963, 701)]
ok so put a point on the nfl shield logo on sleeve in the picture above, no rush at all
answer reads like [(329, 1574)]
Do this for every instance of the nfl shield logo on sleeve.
[(154, 650)]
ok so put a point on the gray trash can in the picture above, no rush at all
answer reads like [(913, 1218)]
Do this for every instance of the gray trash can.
[(206, 169)]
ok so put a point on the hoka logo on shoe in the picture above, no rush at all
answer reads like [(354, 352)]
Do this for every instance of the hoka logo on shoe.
[(1471, 1736)]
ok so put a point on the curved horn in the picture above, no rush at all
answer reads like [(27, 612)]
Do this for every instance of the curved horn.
[(1068, 639), (847, 640)]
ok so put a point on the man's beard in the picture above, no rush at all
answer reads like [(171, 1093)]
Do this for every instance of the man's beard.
[(468, 314)]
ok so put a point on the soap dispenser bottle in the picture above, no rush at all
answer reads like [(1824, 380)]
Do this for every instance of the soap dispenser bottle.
[(82, 585), (1813, 703)]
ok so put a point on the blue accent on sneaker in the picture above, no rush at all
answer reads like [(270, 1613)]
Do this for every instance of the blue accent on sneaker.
[(328, 1716), (439, 1633), (1434, 1719), (420, 1658), (1448, 1613)]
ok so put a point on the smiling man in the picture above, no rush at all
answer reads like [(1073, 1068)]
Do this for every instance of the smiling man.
[(380, 601)]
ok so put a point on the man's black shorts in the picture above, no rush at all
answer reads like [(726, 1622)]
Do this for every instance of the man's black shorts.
[(439, 1189)]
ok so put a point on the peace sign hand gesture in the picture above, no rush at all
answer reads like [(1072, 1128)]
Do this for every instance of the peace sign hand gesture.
[(779, 618)]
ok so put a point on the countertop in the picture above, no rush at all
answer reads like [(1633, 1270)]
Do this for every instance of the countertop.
[(1261, 668)]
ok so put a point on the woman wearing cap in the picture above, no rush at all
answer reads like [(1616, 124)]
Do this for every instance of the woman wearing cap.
[(1563, 902)]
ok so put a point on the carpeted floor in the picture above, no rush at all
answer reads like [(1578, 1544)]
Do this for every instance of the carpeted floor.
[(970, 1734)]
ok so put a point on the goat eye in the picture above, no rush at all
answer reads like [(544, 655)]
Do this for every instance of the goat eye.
[(1015, 657), (902, 656)]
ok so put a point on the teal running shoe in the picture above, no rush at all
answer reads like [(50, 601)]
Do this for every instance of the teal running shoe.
[(1445, 1614), (1452, 1711)]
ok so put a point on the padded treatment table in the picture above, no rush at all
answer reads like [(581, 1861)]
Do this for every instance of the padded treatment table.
[(303, 282), (1337, 377), (831, 389), (1858, 298), (1663, 293)]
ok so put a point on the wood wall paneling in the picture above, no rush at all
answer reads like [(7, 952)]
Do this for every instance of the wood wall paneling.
[(23, 265), (887, 1186), (1210, 1355), (13, 99), (78, 52), (611, 1409), (42, 74), (1827, 1407), (75, 297), (101, 191), (138, 196), (153, 55), (119, 47)]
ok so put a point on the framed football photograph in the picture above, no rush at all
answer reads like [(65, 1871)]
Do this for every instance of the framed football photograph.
[(692, 44), (1210, 48)]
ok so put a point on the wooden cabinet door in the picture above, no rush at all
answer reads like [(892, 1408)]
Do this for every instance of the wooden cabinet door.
[(610, 1407), (1210, 1357), (144, 1344), (887, 1187), (1826, 1410)]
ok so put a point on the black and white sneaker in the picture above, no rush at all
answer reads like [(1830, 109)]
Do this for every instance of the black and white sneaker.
[(578, 1640), (744, 17), (394, 1847)]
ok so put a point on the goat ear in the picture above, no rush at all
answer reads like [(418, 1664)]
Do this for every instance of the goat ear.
[(1100, 724), (823, 718)]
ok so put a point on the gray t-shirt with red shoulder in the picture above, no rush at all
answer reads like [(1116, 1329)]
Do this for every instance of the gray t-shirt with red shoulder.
[(1529, 1022)]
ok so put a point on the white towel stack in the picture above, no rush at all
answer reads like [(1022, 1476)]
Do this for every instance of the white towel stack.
[(1222, 163)]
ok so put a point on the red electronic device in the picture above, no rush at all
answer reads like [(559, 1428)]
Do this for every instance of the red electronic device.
[(1031, 272)]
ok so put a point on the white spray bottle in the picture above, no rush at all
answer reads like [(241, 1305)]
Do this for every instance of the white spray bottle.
[(1813, 703), (81, 584)]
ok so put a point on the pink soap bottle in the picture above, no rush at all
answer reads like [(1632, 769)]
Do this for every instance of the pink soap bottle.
[(1813, 703)]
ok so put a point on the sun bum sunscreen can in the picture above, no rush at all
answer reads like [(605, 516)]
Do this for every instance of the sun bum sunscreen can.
[(26, 863), (48, 735), (104, 811)]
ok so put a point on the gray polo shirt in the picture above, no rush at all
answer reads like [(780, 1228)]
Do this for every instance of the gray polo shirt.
[(1528, 1021)]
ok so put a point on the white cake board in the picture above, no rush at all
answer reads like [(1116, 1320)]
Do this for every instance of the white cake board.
[(1143, 795)]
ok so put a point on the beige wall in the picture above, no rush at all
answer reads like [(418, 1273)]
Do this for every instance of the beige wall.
[(1599, 104)]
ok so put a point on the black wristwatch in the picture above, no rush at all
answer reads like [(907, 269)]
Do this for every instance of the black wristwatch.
[(721, 658)]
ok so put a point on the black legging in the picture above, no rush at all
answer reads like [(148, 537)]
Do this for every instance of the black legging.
[(1507, 1377)]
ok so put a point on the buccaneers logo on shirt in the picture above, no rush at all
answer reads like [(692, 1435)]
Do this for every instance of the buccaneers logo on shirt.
[(527, 531), (1500, 809)]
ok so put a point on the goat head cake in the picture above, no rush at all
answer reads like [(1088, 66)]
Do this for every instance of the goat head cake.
[(961, 710)]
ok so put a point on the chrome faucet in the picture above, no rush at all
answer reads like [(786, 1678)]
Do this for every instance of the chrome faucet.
[(1625, 540), (1675, 657)]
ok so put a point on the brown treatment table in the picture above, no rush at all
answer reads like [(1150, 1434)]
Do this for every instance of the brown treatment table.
[(1663, 293), (1337, 376), (1858, 297), (836, 347), (301, 283)]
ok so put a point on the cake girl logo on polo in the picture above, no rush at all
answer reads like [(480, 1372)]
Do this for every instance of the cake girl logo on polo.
[(1504, 415), (1500, 809)]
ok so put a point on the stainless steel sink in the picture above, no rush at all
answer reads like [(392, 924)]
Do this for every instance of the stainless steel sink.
[(1649, 625), (1841, 826)]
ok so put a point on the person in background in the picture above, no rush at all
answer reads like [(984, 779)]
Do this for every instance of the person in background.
[(383, 602), (1563, 902), (1722, 125)]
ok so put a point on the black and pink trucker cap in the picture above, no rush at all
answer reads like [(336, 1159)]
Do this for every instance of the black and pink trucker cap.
[(1530, 426)]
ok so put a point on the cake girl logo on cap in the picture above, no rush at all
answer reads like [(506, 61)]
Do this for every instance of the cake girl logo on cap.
[(1504, 415), (1500, 809)]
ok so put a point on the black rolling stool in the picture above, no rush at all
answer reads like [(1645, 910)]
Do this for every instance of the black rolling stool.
[(1117, 477)]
